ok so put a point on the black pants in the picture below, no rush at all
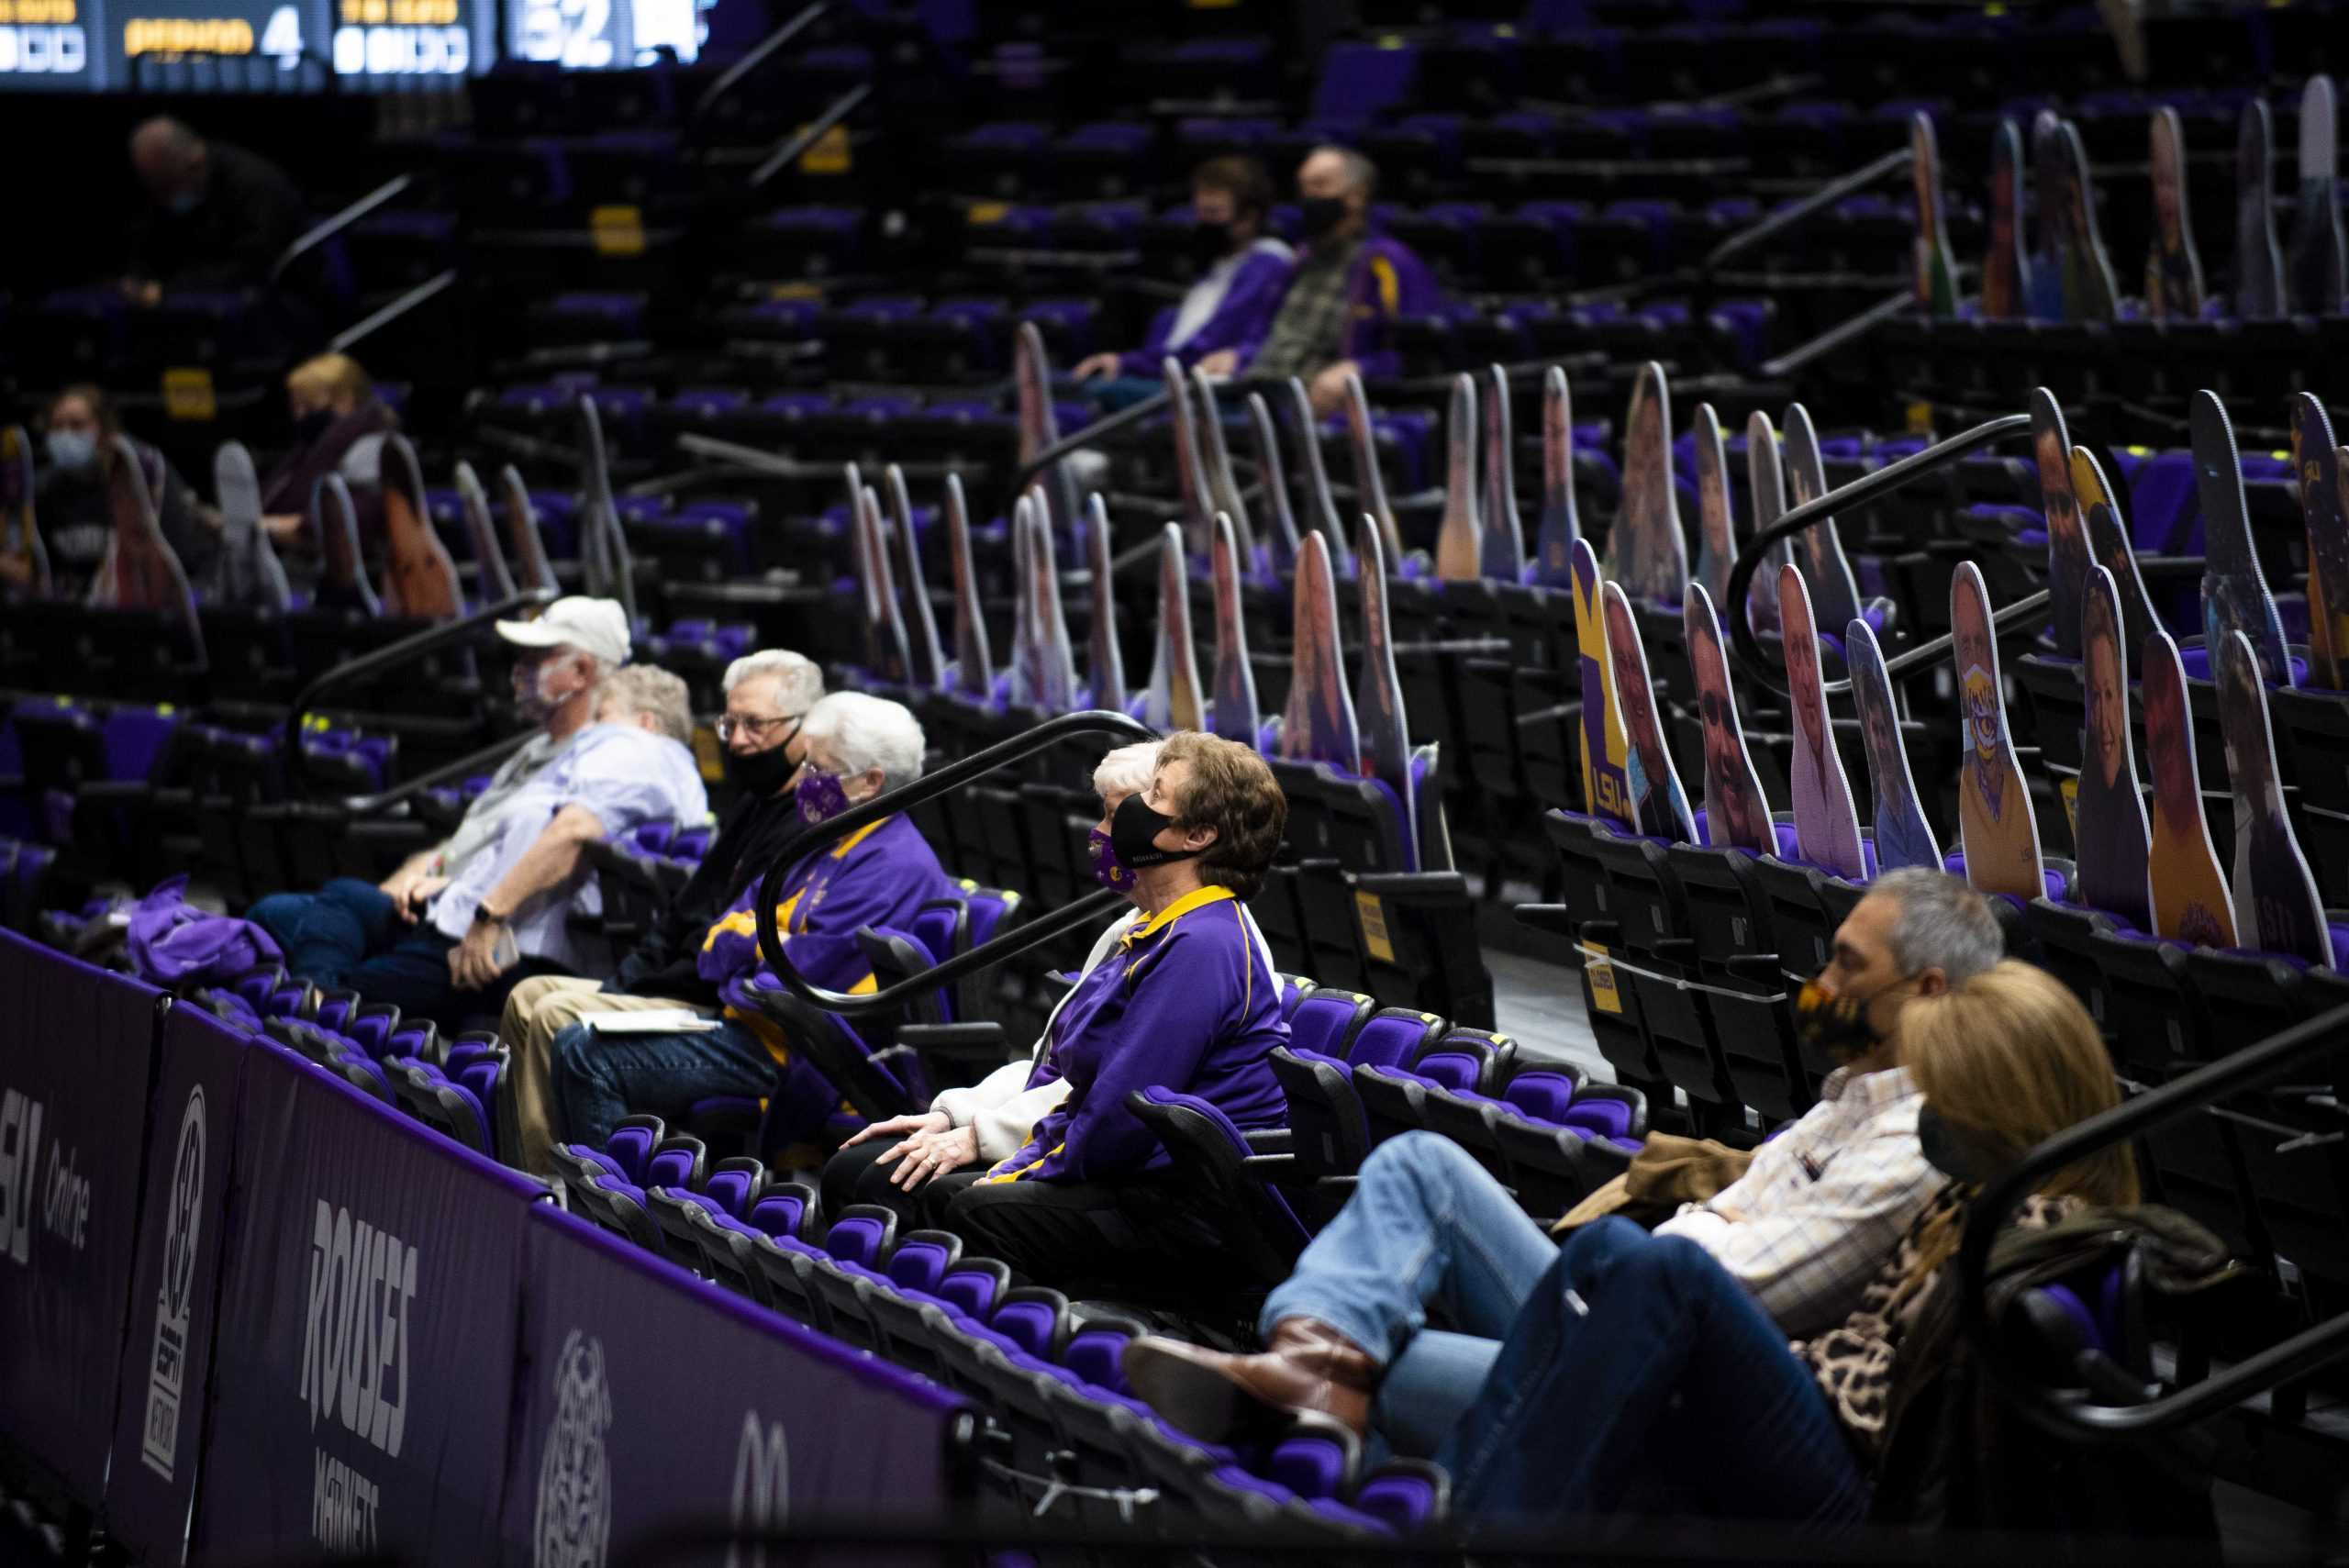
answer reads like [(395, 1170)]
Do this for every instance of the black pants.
[(1139, 1239), (855, 1175)]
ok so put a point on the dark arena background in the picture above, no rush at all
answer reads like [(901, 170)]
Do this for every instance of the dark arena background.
[(1188, 780)]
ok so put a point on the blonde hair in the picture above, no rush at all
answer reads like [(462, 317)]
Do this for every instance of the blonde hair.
[(2011, 1059), (645, 689), (329, 376)]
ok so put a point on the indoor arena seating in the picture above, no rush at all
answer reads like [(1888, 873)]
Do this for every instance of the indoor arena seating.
[(1567, 170), (242, 1212)]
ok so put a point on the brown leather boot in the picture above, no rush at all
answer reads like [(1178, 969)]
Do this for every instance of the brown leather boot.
[(1306, 1365)]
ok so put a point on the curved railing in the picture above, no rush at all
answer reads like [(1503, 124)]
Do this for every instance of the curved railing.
[(774, 952)]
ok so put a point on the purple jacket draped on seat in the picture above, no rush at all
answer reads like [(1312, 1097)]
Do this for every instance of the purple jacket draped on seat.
[(173, 943)]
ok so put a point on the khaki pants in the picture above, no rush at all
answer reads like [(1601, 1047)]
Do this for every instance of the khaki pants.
[(535, 1011)]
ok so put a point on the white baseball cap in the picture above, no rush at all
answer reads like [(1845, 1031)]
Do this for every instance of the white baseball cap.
[(596, 626)]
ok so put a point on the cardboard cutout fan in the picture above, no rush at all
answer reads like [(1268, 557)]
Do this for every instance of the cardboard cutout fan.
[(1317, 725), (1826, 825), (1996, 827), (1659, 806), (1177, 700), (927, 669), (1553, 543), (1737, 812), (973, 662), (1233, 716)]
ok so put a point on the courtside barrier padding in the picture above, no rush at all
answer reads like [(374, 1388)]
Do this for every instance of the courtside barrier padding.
[(336, 1329), (77, 1047)]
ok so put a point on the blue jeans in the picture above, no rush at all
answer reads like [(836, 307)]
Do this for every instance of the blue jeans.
[(1425, 1226), (349, 934), (1582, 1380), (598, 1079)]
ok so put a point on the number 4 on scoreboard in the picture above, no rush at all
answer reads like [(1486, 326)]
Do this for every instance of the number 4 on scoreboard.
[(282, 38)]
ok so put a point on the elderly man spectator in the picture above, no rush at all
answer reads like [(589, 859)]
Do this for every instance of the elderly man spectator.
[(1342, 293), (768, 695), (1817, 1212), (857, 747), (221, 216), (349, 933)]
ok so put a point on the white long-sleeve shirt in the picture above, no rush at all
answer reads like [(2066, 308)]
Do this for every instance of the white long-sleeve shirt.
[(1000, 1107), (1823, 1204)]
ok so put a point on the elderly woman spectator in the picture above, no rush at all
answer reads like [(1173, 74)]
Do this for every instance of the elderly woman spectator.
[(856, 748)]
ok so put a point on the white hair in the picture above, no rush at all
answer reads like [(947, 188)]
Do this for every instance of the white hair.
[(1128, 769), (869, 732), (799, 682)]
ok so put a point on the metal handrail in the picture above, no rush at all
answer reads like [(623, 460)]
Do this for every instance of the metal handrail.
[(463, 768), (2296, 1356), (1868, 487), (792, 146), (774, 951), (1849, 330), (438, 283), (1787, 217), (1109, 425), (740, 70), (431, 640), (328, 227)]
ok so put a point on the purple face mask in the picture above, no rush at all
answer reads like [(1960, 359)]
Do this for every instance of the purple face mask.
[(1108, 869), (821, 797)]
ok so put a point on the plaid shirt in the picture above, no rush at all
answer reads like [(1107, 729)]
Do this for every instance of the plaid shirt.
[(1823, 1204), (1310, 325)]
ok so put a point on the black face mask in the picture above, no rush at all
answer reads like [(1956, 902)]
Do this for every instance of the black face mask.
[(1209, 243), (1955, 1154), (1835, 1024), (1133, 831), (761, 773), (1319, 215), (311, 426)]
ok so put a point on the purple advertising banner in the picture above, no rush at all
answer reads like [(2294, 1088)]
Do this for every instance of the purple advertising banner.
[(651, 1397), (363, 1366), (167, 1354), (76, 1052)]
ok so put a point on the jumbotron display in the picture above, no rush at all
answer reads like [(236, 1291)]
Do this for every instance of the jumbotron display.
[(602, 35), (276, 46)]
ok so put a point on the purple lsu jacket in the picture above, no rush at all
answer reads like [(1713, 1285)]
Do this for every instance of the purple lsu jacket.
[(878, 875), (1186, 1003)]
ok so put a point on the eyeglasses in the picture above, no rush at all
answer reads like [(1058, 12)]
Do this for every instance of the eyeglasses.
[(730, 727)]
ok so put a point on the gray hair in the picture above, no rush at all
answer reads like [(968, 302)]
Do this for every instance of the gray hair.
[(1944, 924), (648, 690), (1361, 175), (1128, 769), (799, 682), (869, 732)]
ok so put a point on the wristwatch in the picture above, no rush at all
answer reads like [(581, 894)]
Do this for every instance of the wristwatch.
[(484, 916)]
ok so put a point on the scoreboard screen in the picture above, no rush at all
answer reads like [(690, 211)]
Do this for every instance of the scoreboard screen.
[(605, 34), (261, 46), (302, 46)]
